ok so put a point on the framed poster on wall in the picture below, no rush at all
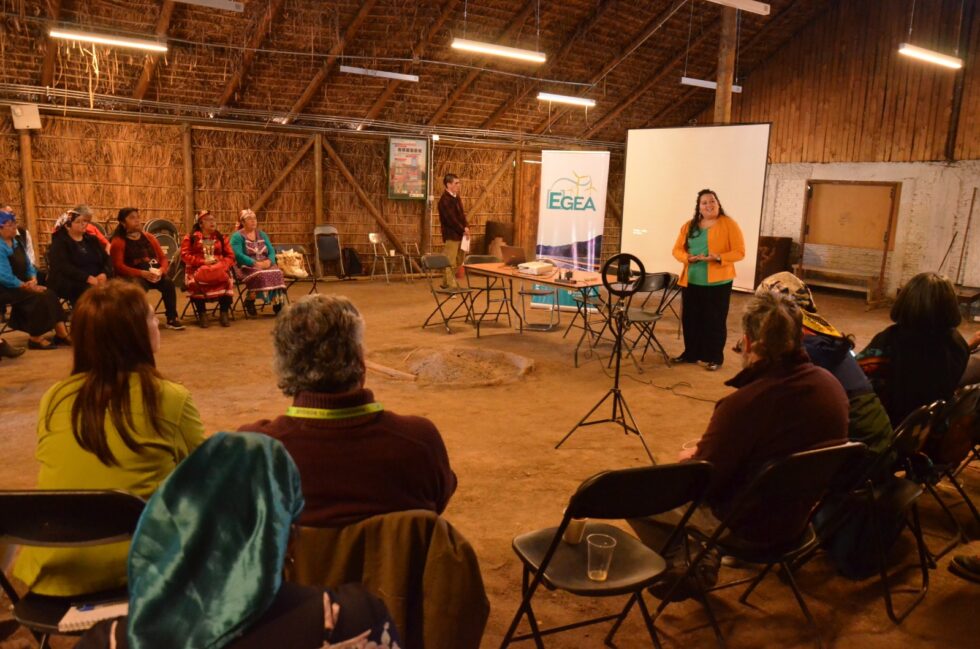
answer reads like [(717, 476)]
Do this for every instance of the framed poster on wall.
[(408, 166)]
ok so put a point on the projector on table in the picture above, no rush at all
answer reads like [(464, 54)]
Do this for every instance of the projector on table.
[(536, 268)]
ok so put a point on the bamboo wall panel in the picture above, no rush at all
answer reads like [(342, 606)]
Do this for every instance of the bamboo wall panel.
[(968, 141), (106, 165), (840, 92), (9, 166)]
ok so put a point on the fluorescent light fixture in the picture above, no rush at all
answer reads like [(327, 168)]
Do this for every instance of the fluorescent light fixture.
[(99, 39), (226, 5), (281, 120), (701, 83), (380, 73), (565, 99), (498, 50), (435, 137), (751, 6), (931, 56)]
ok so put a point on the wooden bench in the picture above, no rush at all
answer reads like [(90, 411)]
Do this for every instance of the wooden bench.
[(840, 279)]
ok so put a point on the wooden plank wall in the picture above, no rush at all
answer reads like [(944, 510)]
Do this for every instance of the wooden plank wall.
[(840, 92)]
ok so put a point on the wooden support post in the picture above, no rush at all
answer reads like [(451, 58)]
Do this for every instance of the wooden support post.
[(518, 193), (288, 169), (27, 187), (188, 178), (366, 201), (318, 173), (726, 66)]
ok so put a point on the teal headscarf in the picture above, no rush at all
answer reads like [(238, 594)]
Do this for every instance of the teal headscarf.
[(206, 559)]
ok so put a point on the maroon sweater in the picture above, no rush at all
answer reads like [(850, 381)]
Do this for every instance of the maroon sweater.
[(775, 412), (451, 217), (359, 467)]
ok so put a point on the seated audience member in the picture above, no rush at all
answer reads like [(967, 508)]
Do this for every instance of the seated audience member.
[(9, 351), (830, 349), (783, 404), (207, 259), (920, 358), (24, 236), (137, 255), (256, 259), (34, 309), (356, 459), (115, 423), (76, 259), (206, 561), (971, 374), (86, 213)]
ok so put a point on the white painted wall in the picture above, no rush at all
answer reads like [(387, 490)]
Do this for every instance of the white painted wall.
[(935, 203)]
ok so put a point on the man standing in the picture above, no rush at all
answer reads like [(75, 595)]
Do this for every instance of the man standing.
[(454, 226)]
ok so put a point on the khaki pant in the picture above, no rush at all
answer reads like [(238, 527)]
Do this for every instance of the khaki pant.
[(451, 250)]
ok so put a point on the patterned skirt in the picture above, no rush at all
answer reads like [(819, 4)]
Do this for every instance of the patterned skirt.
[(208, 291), (270, 279)]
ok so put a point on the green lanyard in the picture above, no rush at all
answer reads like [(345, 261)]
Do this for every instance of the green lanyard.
[(334, 413)]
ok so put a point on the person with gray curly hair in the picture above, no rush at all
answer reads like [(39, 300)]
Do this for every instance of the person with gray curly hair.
[(355, 459)]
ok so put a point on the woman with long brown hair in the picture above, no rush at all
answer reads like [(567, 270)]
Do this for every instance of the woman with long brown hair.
[(708, 245), (115, 423)]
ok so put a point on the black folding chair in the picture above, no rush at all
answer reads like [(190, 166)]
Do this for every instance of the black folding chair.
[(781, 489), (63, 519), (644, 318), (326, 242), (307, 266), (434, 262), (493, 289), (629, 493), (875, 488)]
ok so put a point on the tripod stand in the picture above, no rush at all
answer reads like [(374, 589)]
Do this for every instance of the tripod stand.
[(621, 414)]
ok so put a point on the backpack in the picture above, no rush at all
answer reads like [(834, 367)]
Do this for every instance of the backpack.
[(352, 262)]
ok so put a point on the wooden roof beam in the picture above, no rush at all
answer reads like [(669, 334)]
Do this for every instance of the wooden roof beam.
[(51, 47), (512, 28), (321, 76), (648, 30), (418, 51), (150, 60), (583, 28), (651, 81), (263, 29)]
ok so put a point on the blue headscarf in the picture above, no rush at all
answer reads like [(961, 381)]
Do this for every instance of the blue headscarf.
[(6, 217), (206, 559)]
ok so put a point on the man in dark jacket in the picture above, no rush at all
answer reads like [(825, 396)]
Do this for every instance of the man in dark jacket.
[(454, 226)]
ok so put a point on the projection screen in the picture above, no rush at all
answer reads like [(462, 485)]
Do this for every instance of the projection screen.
[(665, 169)]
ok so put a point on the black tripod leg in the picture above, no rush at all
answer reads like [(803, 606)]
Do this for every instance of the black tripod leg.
[(582, 421), (632, 426)]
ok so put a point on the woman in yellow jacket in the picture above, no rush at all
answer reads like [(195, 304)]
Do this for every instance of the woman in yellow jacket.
[(708, 245)]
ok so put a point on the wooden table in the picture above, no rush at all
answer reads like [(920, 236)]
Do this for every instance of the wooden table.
[(583, 281)]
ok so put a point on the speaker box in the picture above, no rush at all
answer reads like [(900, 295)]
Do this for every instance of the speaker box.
[(26, 117)]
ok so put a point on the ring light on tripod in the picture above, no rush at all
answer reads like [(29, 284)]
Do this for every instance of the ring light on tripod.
[(627, 280)]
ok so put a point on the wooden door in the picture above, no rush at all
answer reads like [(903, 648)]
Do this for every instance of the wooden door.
[(527, 196)]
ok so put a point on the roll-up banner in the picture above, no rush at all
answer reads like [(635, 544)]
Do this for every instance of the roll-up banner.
[(572, 212)]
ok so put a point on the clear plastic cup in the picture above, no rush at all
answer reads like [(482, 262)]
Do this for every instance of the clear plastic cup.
[(601, 547)]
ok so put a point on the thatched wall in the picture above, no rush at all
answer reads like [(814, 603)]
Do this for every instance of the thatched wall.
[(110, 165)]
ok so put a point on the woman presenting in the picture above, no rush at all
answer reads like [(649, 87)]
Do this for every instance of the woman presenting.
[(708, 246)]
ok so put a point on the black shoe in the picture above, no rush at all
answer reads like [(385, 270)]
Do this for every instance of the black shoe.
[(250, 308), (9, 351), (224, 319), (60, 342), (202, 320), (966, 566), (712, 367), (175, 325), (276, 308), (680, 359)]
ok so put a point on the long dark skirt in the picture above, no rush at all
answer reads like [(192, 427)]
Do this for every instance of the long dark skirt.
[(33, 313)]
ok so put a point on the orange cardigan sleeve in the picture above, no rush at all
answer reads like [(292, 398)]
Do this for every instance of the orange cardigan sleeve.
[(734, 244)]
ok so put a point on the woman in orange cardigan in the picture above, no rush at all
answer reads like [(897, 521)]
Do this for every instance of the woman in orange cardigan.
[(708, 246)]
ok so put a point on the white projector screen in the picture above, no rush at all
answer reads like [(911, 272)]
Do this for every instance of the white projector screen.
[(665, 170)]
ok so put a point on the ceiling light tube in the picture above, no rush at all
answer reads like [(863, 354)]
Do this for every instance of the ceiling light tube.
[(565, 99), (380, 73), (751, 6), (702, 83), (498, 50), (99, 39), (931, 56)]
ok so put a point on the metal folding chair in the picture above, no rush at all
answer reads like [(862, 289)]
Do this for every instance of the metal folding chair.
[(307, 266), (326, 242), (434, 262), (385, 256), (490, 287)]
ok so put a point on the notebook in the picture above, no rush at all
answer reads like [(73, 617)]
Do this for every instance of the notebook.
[(85, 616)]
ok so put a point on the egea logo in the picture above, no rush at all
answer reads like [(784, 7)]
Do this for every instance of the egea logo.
[(571, 194)]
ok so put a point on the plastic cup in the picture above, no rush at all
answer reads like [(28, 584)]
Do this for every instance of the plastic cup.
[(601, 547)]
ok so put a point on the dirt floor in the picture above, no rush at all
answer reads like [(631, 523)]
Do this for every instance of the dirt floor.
[(501, 440)]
